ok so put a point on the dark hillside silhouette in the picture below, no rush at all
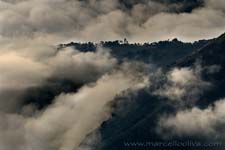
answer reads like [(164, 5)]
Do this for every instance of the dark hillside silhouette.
[(160, 53)]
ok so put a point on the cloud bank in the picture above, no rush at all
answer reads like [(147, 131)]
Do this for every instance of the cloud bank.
[(21, 72), (206, 122), (137, 20), (66, 123)]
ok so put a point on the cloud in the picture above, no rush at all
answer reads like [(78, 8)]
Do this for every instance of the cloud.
[(206, 122), (81, 67), (12, 132), (15, 75), (183, 84), (67, 122), (20, 71), (136, 20)]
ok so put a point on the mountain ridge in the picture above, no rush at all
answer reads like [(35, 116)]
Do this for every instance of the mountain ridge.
[(150, 105)]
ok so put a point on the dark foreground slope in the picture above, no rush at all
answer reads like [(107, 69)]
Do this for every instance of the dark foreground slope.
[(134, 123)]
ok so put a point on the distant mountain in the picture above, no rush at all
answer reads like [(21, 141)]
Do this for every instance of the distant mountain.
[(160, 53)]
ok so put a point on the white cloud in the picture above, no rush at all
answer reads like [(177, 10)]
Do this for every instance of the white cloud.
[(184, 84), (84, 20), (21, 70), (208, 122), (67, 122), (81, 67)]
